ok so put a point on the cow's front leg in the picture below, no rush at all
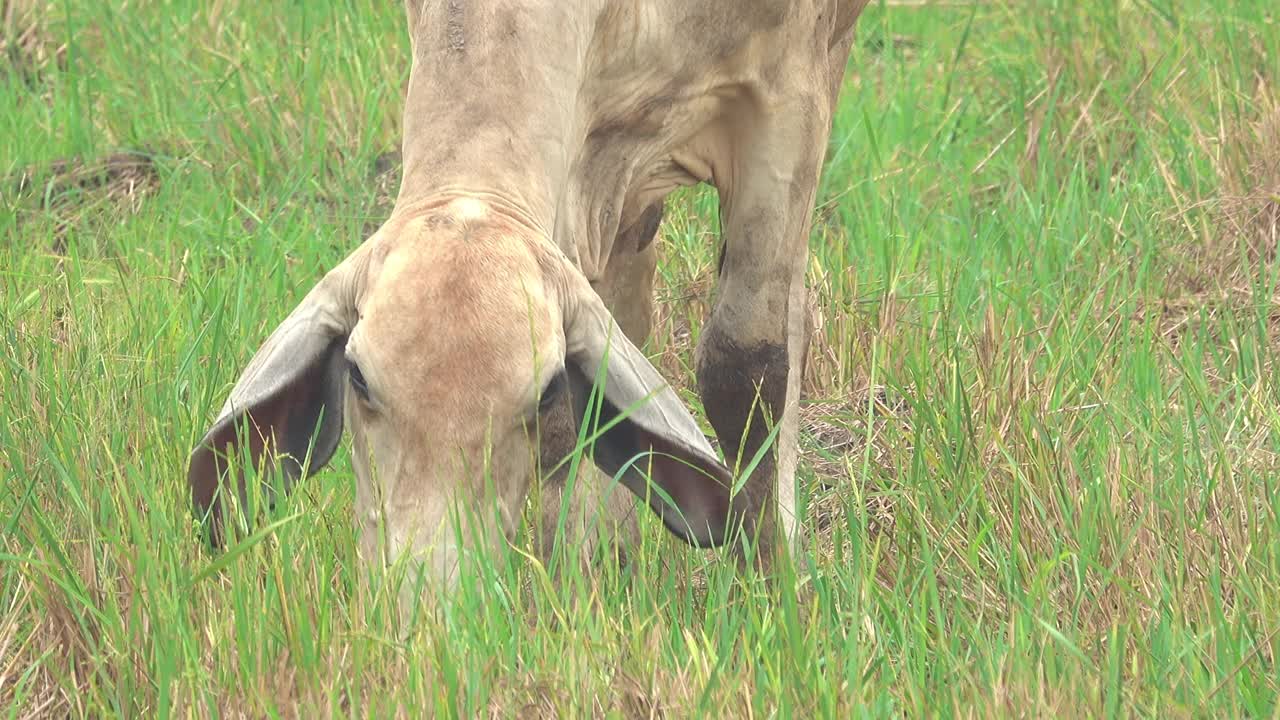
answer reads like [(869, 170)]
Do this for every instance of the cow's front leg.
[(750, 355)]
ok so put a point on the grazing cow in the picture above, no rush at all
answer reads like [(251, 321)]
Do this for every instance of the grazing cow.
[(462, 341)]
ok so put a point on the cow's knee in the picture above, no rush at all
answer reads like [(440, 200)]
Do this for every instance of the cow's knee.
[(740, 383), (743, 385)]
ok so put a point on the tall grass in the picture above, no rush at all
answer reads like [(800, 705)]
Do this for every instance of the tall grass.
[(1041, 441)]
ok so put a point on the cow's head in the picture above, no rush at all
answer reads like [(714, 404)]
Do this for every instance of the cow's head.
[(445, 342)]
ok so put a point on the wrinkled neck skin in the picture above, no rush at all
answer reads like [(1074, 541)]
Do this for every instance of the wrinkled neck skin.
[(574, 117), (480, 121)]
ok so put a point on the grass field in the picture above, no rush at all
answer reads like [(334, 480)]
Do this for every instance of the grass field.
[(1041, 468)]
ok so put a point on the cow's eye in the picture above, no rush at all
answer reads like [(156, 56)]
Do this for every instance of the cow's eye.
[(552, 392), (356, 378)]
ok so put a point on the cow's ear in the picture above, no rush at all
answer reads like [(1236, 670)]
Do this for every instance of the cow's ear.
[(285, 411), (652, 442)]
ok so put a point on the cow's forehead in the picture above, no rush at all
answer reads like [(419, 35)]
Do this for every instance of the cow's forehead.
[(460, 256), (454, 291)]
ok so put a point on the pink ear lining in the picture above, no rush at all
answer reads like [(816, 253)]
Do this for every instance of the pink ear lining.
[(704, 514), (286, 418), (209, 466)]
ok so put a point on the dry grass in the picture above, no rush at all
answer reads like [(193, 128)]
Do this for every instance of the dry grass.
[(73, 191), (26, 43)]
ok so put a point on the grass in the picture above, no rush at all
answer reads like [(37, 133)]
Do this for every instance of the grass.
[(1041, 433)]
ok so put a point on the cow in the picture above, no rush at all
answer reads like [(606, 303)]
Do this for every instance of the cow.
[(503, 303)]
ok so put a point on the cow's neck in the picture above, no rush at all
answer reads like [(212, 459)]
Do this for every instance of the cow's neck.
[(481, 119), (518, 160)]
